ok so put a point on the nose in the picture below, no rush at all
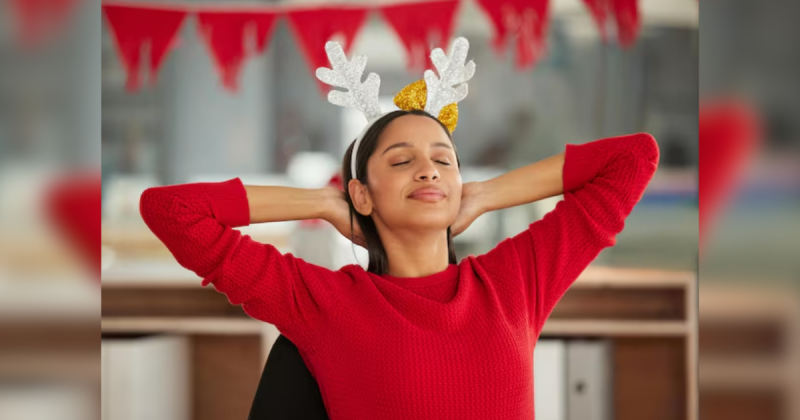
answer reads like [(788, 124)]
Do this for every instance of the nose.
[(427, 172)]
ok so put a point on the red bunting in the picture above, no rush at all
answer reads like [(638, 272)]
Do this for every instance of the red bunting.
[(74, 205), (127, 24), (599, 11), (524, 20), (39, 20), (422, 27), (225, 35), (626, 15), (729, 134), (315, 27), (626, 18)]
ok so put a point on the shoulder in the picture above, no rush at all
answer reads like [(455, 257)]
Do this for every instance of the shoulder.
[(503, 257), (314, 272), (353, 272), (508, 250)]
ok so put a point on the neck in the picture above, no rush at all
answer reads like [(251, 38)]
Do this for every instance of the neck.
[(416, 254)]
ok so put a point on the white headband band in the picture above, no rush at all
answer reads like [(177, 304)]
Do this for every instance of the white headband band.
[(358, 143), (355, 147)]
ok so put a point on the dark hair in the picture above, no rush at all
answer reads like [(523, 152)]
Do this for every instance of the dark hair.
[(378, 260)]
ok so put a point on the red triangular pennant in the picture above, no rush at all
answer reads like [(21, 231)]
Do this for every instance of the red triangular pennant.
[(74, 206), (39, 20), (133, 27), (314, 27), (422, 27), (729, 134), (225, 35), (524, 20), (626, 15), (599, 11)]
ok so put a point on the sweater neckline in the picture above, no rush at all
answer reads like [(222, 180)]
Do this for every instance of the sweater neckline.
[(448, 274)]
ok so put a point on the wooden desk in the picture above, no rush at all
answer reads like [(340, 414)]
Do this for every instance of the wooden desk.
[(749, 353), (649, 316)]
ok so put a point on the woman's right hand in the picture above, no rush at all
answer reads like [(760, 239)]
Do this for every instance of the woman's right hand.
[(338, 214)]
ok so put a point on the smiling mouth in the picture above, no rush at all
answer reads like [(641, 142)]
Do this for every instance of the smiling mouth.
[(430, 196)]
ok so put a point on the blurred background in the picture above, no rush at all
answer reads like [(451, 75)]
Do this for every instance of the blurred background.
[(189, 127), (749, 64), (621, 345), (49, 206), (749, 349)]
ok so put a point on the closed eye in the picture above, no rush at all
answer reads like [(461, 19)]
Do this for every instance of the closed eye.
[(403, 163)]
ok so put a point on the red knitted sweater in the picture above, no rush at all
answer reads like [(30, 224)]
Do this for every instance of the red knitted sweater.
[(454, 345)]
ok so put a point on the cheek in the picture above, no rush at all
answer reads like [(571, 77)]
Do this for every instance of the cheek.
[(456, 187), (455, 202), (386, 191)]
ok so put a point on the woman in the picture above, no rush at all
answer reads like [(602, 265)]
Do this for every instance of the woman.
[(418, 335)]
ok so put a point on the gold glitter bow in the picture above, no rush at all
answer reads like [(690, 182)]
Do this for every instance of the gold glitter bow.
[(414, 96)]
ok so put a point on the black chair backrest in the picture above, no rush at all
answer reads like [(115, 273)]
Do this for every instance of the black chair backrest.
[(287, 390)]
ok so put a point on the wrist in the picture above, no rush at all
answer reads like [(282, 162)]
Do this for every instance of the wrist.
[(483, 192), (328, 199)]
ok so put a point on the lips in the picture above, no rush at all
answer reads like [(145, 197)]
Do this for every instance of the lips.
[(427, 194)]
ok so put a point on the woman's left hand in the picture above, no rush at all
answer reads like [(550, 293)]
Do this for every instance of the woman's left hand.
[(471, 207)]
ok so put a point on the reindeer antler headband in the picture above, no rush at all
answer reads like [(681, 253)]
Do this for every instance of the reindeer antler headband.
[(436, 95)]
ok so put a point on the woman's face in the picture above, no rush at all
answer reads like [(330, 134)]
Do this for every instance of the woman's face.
[(414, 181)]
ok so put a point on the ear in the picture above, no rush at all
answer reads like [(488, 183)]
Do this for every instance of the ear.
[(359, 194)]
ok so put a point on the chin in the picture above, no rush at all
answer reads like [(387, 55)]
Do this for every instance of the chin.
[(424, 217), (437, 221)]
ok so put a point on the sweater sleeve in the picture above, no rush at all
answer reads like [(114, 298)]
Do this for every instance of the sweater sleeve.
[(603, 180), (196, 221)]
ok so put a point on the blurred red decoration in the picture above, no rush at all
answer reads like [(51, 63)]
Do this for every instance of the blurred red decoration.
[(226, 35), (422, 27), (134, 27), (74, 206), (314, 27), (599, 11), (40, 20), (525, 21), (337, 181), (729, 134), (626, 16)]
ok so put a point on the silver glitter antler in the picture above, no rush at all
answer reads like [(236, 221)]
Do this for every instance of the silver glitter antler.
[(451, 85), (347, 74)]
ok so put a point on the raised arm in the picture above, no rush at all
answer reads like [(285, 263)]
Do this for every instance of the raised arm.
[(601, 182), (196, 221)]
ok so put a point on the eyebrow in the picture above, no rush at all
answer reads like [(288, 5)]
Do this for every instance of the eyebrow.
[(406, 144)]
